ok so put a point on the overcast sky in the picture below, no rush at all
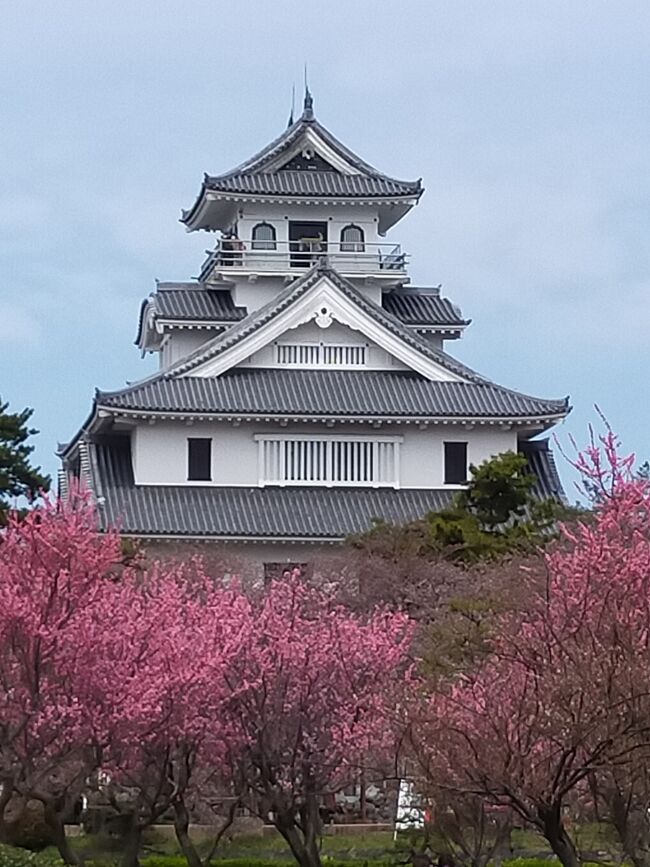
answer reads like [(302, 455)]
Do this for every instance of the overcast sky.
[(528, 121)]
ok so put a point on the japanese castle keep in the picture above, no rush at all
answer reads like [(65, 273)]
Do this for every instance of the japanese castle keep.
[(305, 386)]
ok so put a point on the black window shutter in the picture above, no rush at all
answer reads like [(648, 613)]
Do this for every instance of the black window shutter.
[(199, 459), (455, 463)]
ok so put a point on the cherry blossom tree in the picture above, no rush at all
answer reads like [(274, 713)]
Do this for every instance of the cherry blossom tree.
[(54, 570), (563, 693), (165, 731), (164, 683), (107, 669), (312, 688)]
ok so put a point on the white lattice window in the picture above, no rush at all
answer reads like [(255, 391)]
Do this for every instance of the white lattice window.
[(343, 356), (301, 354), (328, 460), (320, 354)]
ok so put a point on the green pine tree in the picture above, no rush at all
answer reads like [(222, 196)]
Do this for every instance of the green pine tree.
[(18, 478), (496, 515)]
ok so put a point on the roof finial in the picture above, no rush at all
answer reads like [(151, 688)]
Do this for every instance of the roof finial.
[(293, 105), (308, 105)]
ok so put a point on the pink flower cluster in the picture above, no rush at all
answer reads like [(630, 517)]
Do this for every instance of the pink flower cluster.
[(168, 680), (561, 699)]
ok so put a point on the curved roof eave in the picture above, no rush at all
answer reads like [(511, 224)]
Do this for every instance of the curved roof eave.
[(65, 449), (283, 142), (290, 135), (258, 319), (143, 307)]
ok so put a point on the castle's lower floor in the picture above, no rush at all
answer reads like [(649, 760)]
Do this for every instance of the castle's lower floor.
[(260, 532)]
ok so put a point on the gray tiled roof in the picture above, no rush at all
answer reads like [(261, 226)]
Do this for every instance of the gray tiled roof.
[(329, 393), (192, 302), (285, 141), (197, 303), (258, 318), (272, 512), (305, 183), (262, 174), (541, 463), (422, 308)]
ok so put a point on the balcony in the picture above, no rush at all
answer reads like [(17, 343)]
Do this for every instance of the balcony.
[(234, 256)]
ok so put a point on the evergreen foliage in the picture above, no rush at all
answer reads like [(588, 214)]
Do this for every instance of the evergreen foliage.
[(18, 477), (497, 514)]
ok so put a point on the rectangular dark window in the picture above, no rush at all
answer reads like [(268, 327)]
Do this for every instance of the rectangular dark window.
[(199, 459), (455, 463)]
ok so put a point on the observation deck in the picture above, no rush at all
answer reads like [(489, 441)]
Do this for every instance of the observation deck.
[(234, 256)]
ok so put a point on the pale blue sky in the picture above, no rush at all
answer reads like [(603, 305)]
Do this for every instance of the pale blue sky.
[(528, 121)]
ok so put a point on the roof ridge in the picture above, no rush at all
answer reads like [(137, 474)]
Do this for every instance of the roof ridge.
[(330, 393), (376, 176), (258, 318), (433, 291), (267, 154), (167, 285), (302, 284)]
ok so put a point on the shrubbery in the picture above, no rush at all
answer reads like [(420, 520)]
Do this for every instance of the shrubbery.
[(26, 826), (11, 856)]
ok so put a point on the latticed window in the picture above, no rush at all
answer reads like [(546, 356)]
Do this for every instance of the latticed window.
[(302, 354), (328, 460), (352, 239), (320, 354), (263, 237)]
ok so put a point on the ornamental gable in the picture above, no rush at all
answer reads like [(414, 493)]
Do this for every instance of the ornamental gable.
[(321, 299), (338, 347)]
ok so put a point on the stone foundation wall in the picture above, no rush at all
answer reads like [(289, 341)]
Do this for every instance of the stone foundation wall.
[(247, 561)]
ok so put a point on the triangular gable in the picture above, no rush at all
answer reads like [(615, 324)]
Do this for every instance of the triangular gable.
[(312, 142), (322, 296), (306, 135), (306, 132)]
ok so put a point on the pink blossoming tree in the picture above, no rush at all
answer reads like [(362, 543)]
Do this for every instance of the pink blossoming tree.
[(312, 689), (166, 733), (164, 684), (54, 571), (564, 692)]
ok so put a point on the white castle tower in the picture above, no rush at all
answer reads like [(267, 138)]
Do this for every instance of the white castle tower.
[(305, 387)]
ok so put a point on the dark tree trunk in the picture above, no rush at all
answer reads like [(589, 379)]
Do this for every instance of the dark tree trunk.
[(6, 791), (503, 844), (362, 794), (131, 851), (312, 830), (55, 822), (633, 829), (552, 827), (182, 829), (302, 845), (228, 822)]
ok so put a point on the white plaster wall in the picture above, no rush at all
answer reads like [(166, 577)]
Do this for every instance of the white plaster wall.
[(376, 357), (254, 294), (160, 454), (160, 450), (182, 341), (422, 452), (336, 216)]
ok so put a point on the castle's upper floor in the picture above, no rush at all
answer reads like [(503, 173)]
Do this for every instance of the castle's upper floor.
[(301, 197)]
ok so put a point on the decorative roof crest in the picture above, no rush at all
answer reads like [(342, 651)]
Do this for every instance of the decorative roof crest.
[(308, 104)]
